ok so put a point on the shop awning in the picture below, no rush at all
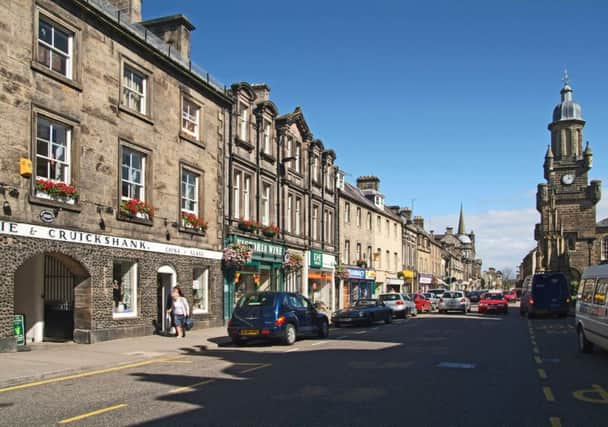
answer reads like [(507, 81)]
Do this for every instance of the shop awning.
[(408, 274)]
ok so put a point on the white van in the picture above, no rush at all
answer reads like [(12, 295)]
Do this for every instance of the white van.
[(592, 309)]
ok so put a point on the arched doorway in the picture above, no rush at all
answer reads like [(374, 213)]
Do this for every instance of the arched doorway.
[(52, 291), (167, 280)]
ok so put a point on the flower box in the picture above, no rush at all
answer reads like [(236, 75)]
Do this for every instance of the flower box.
[(135, 208), (248, 225), (270, 230), (57, 191), (192, 222)]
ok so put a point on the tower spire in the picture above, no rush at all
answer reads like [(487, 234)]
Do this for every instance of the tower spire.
[(461, 229)]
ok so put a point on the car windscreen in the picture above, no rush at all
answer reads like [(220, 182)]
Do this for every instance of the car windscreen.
[(428, 295), (364, 303), (390, 297), (494, 297), (256, 300)]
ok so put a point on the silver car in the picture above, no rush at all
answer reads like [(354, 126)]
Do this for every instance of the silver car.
[(397, 303), (433, 298), (454, 301)]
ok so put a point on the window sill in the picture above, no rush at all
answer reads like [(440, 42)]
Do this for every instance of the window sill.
[(268, 157), (51, 203), (194, 311), (142, 221), (189, 138), (137, 114), (192, 232), (243, 144), (56, 76), (118, 316)]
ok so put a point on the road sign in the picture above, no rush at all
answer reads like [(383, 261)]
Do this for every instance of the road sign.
[(19, 329)]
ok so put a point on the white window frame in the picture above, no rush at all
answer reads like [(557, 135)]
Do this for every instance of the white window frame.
[(69, 55), (315, 169), (265, 204), (358, 217), (267, 149), (237, 194), (184, 198), (246, 197), (347, 213), (188, 117), (298, 154), (298, 216), (244, 123), (128, 72), (133, 273), (128, 179), (51, 142), (358, 252), (315, 222), (328, 227), (201, 282), (289, 213), (346, 257)]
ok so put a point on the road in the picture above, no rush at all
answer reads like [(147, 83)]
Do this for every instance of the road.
[(434, 370)]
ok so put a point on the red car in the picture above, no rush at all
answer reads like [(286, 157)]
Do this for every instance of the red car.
[(513, 295), (422, 304), (493, 303)]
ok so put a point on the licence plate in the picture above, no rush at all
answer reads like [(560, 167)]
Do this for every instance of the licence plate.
[(249, 332)]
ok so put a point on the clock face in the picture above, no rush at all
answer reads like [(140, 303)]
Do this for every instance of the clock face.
[(568, 179)]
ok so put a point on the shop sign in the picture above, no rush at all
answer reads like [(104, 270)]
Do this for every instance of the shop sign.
[(355, 273), (316, 259), (262, 249), (370, 274), (329, 261), (392, 281), (408, 274), (425, 279), (19, 329), (86, 238)]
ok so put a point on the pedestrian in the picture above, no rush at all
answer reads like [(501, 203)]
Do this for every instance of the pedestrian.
[(180, 310)]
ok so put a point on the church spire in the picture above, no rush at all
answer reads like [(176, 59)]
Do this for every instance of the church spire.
[(461, 229)]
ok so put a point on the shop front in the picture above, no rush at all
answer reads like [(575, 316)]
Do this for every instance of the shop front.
[(321, 269), (262, 272), (394, 285), (425, 281), (408, 280), (359, 284)]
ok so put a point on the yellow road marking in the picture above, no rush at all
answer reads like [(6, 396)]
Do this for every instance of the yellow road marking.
[(555, 421), (596, 394), (92, 413), (542, 374), (548, 394), (266, 365), (87, 374), (176, 361), (190, 387), (538, 360)]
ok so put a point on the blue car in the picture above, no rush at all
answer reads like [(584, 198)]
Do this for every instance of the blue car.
[(282, 316)]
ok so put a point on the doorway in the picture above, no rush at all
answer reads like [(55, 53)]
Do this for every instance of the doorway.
[(167, 280)]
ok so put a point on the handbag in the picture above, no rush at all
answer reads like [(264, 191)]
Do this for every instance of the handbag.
[(189, 323)]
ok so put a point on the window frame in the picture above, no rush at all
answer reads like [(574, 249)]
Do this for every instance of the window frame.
[(346, 213), (147, 178), (236, 193), (266, 203), (205, 287), (298, 216), (346, 253), (315, 222), (246, 196), (134, 265), (267, 138), (185, 133), (199, 192), (147, 90), (358, 217), (243, 131)]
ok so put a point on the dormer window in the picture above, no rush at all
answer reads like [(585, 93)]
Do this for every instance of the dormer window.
[(267, 148), (244, 123)]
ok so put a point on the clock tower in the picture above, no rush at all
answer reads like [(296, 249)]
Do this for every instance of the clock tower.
[(566, 202)]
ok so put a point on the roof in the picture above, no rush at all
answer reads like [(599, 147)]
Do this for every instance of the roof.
[(356, 195), (603, 223), (596, 271)]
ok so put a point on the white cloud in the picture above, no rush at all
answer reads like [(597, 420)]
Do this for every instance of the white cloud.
[(503, 237)]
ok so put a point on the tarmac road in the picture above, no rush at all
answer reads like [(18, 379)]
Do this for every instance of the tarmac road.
[(433, 370)]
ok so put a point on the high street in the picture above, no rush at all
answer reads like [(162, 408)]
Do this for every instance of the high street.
[(431, 370)]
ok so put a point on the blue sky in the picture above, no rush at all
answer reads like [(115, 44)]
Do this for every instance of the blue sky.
[(446, 101)]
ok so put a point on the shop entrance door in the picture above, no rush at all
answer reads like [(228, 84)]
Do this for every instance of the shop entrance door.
[(58, 294), (166, 279)]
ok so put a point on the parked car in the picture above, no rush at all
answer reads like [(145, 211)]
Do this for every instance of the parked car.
[(363, 311), (591, 317), (454, 301), (433, 298), (545, 293), (280, 316), (513, 295), (475, 296), (423, 305), (397, 303), (493, 302), (411, 304), (437, 292)]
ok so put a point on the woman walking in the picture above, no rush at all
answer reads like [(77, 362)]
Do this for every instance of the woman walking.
[(180, 310)]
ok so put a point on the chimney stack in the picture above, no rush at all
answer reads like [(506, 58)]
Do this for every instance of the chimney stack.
[(449, 230), (262, 91), (368, 183), (419, 221), (174, 30), (406, 213), (130, 8)]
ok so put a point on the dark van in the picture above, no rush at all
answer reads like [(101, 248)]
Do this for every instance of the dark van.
[(545, 293), (282, 316)]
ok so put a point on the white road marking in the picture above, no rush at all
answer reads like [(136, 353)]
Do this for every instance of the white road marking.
[(360, 332), (292, 349), (456, 365), (319, 343)]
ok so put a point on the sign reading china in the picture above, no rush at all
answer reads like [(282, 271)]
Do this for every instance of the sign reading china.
[(83, 237)]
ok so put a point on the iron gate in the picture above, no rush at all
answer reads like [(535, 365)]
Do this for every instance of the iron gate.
[(59, 285)]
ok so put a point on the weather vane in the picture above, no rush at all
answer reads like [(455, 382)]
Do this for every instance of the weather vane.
[(566, 78)]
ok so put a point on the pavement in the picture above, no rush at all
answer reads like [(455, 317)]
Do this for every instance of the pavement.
[(432, 370)]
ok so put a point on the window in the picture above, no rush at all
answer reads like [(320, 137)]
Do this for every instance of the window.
[(395, 229), (358, 218), (267, 148), (55, 47), (53, 150), (133, 175), (134, 90), (288, 144), (388, 260), (328, 225), (298, 215), (604, 249), (237, 194), (359, 252), (298, 155), (346, 213), (588, 288), (368, 257), (266, 204), (124, 289), (200, 290), (315, 169), (388, 227), (244, 123), (289, 213), (379, 257), (600, 292), (247, 198), (190, 191), (190, 118), (369, 221), (378, 224), (315, 222), (346, 253), (396, 261)]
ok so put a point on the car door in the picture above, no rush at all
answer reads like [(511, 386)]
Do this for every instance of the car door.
[(305, 315)]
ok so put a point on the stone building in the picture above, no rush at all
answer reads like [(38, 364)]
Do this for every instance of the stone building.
[(409, 247), (111, 168), (567, 235), (279, 199)]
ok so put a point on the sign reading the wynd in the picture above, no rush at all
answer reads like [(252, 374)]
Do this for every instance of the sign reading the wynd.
[(83, 237)]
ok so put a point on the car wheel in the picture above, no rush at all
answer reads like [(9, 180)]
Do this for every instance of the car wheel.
[(324, 329), (237, 340), (584, 345), (389, 319), (404, 314), (289, 334)]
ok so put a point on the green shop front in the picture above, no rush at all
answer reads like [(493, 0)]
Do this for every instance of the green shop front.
[(262, 272)]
